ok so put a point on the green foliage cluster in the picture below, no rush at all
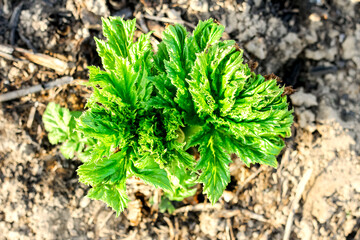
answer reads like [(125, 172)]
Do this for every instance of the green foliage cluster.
[(147, 109)]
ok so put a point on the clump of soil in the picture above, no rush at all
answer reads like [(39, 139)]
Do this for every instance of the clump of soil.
[(313, 46)]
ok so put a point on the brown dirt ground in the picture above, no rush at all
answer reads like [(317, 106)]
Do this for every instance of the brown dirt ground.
[(312, 45)]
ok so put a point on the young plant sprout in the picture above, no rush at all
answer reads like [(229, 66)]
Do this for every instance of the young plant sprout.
[(148, 108)]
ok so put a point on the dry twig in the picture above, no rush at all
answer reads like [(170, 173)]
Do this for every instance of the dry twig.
[(284, 159), (141, 21), (27, 42), (198, 208), (222, 213), (229, 213), (176, 229), (107, 218), (14, 22), (171, 228), (295, 204), (229, 226), (37, 88)]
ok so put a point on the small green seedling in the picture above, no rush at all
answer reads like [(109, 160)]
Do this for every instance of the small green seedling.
[(147, 109)]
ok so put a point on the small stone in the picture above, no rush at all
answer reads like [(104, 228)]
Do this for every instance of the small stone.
[(275, 28), (14, 235), (70, 5), (90, 20), (349, 47), (303, 99), (32, 68), (311, 37), (306, 230), (117, 5), (230, 22), (322, 211), (241, 236), (11, 215), (314, 17), (356, 186), (209, 224), (290, 47), (349, 226), (333, 33), (125, 13), (79, 193), (84, 202), (328, 54), (257, 3), (82, 33), (327, 114), (250, 224), (173, 14), (90, 235), (357, 62), (228, 196), (258, 208), (199, 6), (97, 7), (257, 47), (13, 74), (306, 120)]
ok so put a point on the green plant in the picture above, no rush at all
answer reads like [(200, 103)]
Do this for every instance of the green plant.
[(61, 124), (148, 109)]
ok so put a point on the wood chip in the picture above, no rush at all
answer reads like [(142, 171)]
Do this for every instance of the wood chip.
[(16, 53), (31, 117)]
